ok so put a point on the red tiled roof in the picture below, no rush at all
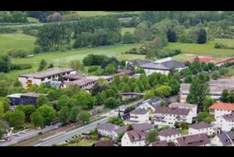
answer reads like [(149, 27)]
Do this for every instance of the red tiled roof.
[(205, 59), (226, 60), (222, 106)]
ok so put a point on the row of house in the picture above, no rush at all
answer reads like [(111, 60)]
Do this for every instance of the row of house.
[(64, 77), (216, 88)]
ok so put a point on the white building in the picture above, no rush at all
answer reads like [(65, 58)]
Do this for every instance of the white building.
[(169, 135), (202, 128), (223, 115), (110, 130), (139, 116), (134, 138), (191, 107), (150, 104), (169, 116), (44, 76)]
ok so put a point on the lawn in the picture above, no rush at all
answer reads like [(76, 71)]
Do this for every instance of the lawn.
[(190, 50), (16, 41), (82, 142), (127, 29), (63, 58)]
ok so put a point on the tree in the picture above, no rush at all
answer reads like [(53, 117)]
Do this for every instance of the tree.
[(143, 31), (112, 102), (42, 65), (27, 109), (163, 91), (197, 93), (151, 136), (16, 119), (208, 101), (64, 115), (62, 102), (225, 96), (37, 119), (48, 113), (55, 17), (116, 121), (205, 117), (5, 63), (201, 36), (149, 94), (128, 38), (171, 35), (76, 65), (5, 103), (85, 100), (110, 69), (215, 75), (42, 100), (84, 117)]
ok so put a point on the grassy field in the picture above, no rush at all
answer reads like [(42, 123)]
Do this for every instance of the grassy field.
[(16, 41), (63, 58), (191, 50), (127, 29), (100, 13)]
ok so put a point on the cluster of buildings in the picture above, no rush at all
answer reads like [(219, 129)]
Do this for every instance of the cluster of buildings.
[(64, 77)]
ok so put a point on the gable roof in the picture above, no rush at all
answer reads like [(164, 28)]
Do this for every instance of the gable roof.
[(169, 132), (182, 105), (107, 127), (159, 143), (201, 125), (173, 64), (193, 140), (174, 111), (142, 126), (104, 143), (136, 135), (224, 139), (139, 111), (222, 106)]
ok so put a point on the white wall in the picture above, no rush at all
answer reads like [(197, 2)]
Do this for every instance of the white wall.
[(140, 118), (208, 131), (125, 141)]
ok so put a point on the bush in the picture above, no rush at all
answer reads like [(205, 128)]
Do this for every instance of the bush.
[(8, 30), (18, 53), (37, 50), (219, 46), (215, 75), (20, 66)]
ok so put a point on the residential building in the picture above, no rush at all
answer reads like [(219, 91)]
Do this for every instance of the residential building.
[(204, 59), (143, 126), (44, 76), (223, 139), (139, 116), (131, 95), (150, 104), (191, 107), (226, 122), (224, 61), (202, 128), (169, 135), (193, 140), (107, 143), (169, 116), (134, 138), (216, 88), (109, 130), (23, 98), (159, 143)]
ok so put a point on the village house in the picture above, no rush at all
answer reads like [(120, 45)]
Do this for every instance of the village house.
[(23, 98), (223, 139), (110, 130), (202, 128), (44, 76), (150, 104), (169, 116), (107, 143), (193, 140), (131, 95), (134, 137), (216, 88), (226, 122), (139, 116), (225, 61), (143, 126), (191, 107), (169, 135), (159, 143), (204, 59)]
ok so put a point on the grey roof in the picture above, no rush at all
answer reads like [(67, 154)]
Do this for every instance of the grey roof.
[(48, 73), (159, 143), (174, 111), (136, 135), (121, 130), (182, 105), (201, 125), (154, 101), (107, 127), (173, 64), (30, 94), (81, 82), (225, 139), (139, 62), (74, 76), (193, 140), (142, 126), (215, 86), (154, 66), (169, 132), (229, 117), (139, 111), (104, 143)]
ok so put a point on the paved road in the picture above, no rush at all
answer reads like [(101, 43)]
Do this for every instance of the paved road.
[(61, 138)]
